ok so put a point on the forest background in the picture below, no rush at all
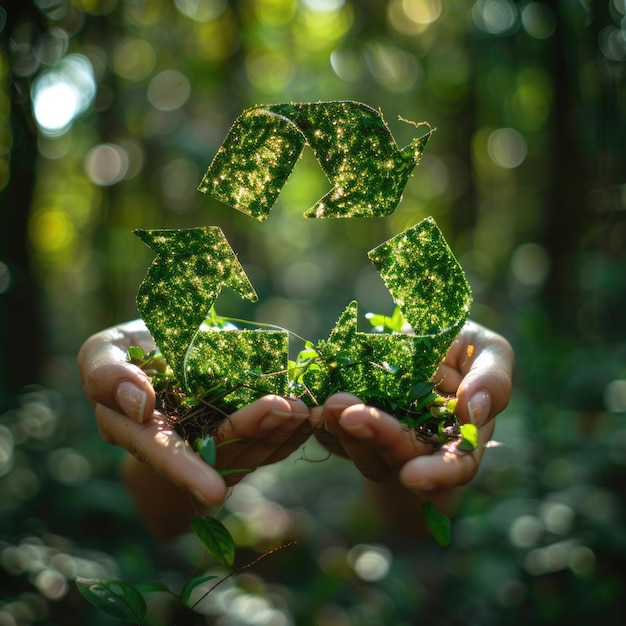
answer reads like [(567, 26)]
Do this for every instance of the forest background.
[(110, 111)]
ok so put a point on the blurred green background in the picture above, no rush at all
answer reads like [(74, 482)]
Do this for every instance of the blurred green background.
[(110, 111)]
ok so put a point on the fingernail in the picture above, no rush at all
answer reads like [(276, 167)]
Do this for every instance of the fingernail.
[(359, 429), (131, 399), (479, 407), (423, 486), (275, 419), (202, 498)]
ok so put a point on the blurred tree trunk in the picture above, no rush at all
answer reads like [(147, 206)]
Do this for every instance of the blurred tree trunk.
[(21, 333), (568, 212)]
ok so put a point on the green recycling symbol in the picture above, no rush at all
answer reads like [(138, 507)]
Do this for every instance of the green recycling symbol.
[(367, 173)]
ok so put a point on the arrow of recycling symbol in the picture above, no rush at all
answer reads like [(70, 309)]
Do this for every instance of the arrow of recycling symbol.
[(187, 275), (427, 283), (192, 266), (351, 141)]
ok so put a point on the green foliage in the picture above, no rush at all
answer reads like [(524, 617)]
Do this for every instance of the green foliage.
[(115, 598), (469, 434), (439, 524), (498, 89), (191, 584), (350, 140), (191, 268), (215, 537), (127, 603), (383, 323), (206, 448)]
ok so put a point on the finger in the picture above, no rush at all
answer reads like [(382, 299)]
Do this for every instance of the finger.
[(445, 469), (158, 445), (377, 443), (108, 379), (478, 369), (268, 428), (486, 388)]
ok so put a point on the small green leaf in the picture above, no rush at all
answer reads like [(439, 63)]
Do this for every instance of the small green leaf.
[(396, 321), (136, 352), (113, 597), (207, 449), (469, 432), (438, 524), (191, 585), (420, 390), (215, 537), (376, 320)]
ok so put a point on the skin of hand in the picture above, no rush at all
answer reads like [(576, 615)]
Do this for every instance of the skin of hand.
[(400, 470), (163, 470)]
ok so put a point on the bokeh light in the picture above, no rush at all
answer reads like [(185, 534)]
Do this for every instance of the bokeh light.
[(370, 562), (538, 20), (412, 17), (62, 94), (5, 277), (106, 164), (615, 396), (52, 232), (134, 59), (391, 67), (530, 264), (201, 11), (496, 17), (507, 148)]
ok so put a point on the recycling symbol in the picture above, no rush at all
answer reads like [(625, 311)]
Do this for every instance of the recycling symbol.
[(367, 173)]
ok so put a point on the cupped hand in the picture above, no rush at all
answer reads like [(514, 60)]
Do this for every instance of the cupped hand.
[(477, 369), (265, 431)]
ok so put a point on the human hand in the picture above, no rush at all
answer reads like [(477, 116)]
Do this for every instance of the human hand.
[(385, 451), (265, 431)]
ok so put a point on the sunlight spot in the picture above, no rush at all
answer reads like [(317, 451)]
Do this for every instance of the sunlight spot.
[(202, 11), (62, 94), (370, 562), (323, 6)]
